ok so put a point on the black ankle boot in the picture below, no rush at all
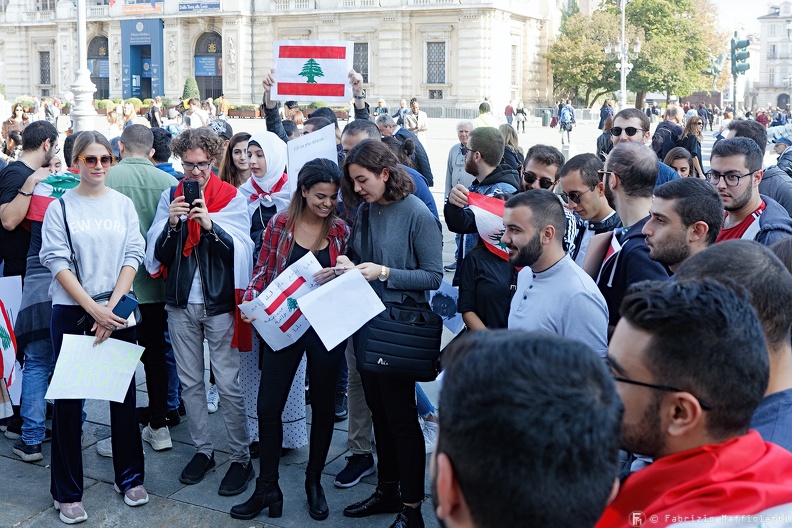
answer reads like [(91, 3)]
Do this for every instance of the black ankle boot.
[(317, 504), (386, 499), (267, 495), (409, 518)]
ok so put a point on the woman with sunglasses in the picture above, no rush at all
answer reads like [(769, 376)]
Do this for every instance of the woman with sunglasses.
[(95, 248), (690, 140)]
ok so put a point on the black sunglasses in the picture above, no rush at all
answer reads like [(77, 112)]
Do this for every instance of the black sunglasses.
[(573, 196), (665, 388), (530, 178), (631, 131)]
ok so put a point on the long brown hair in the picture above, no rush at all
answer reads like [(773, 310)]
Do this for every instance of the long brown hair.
[(372, 155), (228, 170), (314, 172), (692, 130)]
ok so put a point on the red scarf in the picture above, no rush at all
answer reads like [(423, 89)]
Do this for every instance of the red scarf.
[(216, 195), (261, 193)]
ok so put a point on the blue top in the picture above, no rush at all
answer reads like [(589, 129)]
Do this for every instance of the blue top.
[(665, 173), (422, 190), (773, 419)]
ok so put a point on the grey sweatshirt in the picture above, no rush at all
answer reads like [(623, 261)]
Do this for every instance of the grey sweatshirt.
[(405, 237), (105, 234)]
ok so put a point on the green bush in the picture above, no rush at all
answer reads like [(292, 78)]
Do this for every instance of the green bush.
[(217, 102), (190, 89), (3, 90), (317, 104), (137, 103), (104, 104), (26, 101), (246, 107), (166, 103), (117, 101), (67, 105), (147, 102)]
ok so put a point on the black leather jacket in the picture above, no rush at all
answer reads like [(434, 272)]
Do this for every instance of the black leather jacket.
[(214, 257)]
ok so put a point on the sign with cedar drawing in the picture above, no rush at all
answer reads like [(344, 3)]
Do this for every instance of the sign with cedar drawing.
[(312, 70)]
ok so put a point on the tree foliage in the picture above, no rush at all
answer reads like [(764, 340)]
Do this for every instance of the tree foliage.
[(190, 89)]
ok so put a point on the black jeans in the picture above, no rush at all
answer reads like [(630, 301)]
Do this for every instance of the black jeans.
[(401, 453), (151, 336), (277, 373), (66, 481)]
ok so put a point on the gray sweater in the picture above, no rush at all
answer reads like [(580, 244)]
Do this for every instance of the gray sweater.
[(105, 234), (405, 236)]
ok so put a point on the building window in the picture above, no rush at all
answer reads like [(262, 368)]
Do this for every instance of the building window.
[(786, 9), (771, 78), (514, 66), (44, 67), (435, 62), (3, 5), (45, 5), (435, 94), (360, 60), (772, 29)]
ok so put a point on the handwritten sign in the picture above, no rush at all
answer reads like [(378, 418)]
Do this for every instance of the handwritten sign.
[(101, 372), (321, 307), (278, 318), (301, 150), (312, 70)]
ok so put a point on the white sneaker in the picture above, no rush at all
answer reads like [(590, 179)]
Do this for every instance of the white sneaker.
[(429, 430), (136, 496), (159, 439), (105, 448), (212, 399)]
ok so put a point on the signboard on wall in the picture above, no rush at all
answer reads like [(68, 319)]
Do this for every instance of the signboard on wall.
[(142, 9), (199, 6), (135, 36), (99, 68), (206, 66)]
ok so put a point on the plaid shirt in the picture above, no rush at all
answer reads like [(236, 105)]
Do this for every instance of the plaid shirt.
[(276, 246)]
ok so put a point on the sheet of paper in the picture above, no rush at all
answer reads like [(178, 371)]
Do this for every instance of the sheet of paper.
[(11, 295), (279, 320), (312, 70), (444, 302), (101, 372), (318, 144), (337, 309)]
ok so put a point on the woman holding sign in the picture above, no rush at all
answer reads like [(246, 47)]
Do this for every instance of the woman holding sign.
[(91, 243), (398, 246), (308, 225)]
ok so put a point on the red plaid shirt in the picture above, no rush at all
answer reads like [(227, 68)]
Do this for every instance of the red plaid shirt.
[(276, 244)]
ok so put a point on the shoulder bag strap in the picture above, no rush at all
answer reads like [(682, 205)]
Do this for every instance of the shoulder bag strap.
[(73, 257), (365, 242)]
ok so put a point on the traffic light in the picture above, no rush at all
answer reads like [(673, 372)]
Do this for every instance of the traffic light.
[(739, 56)]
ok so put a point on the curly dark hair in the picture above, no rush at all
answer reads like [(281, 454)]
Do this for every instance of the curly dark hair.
[(375, 156), (198, 138)]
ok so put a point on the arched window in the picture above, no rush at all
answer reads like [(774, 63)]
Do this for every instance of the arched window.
[(99, 64), (209, 64)]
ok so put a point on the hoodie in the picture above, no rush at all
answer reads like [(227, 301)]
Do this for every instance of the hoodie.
[(774, 224)]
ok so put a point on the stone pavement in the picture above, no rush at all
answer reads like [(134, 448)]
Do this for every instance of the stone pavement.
[(25, 500)]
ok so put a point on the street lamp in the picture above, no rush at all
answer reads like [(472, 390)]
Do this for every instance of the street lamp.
[(621, 50), (83, 114)]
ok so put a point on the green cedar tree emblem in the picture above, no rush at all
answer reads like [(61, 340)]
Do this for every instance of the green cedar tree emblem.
[(311, 70), (5, 338), (291, 303)]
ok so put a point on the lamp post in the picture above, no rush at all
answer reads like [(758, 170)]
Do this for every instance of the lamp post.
[(83, 114), (621, 51)]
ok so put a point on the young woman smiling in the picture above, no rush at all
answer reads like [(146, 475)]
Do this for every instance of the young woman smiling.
[(234, 168), (309, 225)]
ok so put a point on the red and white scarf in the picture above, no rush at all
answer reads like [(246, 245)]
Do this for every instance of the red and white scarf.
[(272, 188)]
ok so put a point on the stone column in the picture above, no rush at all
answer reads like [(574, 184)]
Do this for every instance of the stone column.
[(83, 113)]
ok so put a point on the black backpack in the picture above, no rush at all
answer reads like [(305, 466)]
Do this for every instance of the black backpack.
[(662, 137)]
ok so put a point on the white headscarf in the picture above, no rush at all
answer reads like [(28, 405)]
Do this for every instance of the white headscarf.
[(276, 155)]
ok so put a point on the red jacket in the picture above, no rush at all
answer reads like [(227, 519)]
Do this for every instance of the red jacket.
[(741, 476)]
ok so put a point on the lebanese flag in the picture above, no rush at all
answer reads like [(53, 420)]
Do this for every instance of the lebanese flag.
[(47, 191), (8, 357), (313, 70), (489, 222), (286, 301), (611, 253)]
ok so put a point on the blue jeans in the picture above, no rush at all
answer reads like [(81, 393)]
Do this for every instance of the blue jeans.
[(174, 385), (425, 407), (39, 363)]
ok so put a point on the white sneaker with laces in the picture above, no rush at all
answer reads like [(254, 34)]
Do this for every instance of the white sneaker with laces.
[(136, 496), (105, 448), (429, 430), (212, 399), (160, 439)]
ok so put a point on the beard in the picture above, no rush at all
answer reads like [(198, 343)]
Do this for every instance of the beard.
[(471, 168), (671, 252), (609, 193), (48, 157), (645, 438), (528, 254), (741, 201)]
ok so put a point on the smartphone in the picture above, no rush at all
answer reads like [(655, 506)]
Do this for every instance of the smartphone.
[(125, 306), (192, 191)]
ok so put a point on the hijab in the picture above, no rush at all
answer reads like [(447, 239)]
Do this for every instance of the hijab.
[(272, 188)]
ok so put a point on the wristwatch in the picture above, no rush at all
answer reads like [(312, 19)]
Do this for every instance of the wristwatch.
[(358, 96), (383, 276)]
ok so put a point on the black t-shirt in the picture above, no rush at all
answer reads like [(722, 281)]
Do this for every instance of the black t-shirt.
[(298, 252), (258, 223), (485, 280), (14, 244)]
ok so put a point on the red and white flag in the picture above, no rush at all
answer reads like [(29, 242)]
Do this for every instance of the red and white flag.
[(489, 222), (7, 359), (312, 70)]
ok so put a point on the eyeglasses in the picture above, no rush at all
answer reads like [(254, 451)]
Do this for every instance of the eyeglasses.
[(665, 388), (631, 131), (90, 161), (574, 196), (732, 180), (465, 150), (602, 173), (190, 167), (530, 178)]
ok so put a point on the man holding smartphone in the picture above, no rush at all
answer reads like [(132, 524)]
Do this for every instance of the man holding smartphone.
[(203, 248)]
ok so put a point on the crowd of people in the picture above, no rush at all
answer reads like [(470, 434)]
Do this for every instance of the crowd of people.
[(628, 326)]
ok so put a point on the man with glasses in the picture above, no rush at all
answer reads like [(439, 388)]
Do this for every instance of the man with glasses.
[(571, 305), (690, 391), (483, 153), (477, 471), (455, 172), (388, 127), (736, 170), (755, 268), (584, 193), (632, 126), (629, 178), (781, 147), (685, 218), (205, 252)]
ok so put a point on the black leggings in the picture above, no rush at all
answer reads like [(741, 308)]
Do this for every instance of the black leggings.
[(277, 373)]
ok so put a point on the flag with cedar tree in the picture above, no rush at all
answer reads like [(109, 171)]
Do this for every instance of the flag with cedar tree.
[(312, 70)]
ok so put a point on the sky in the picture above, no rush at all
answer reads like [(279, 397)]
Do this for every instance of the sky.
[(741, 15)]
